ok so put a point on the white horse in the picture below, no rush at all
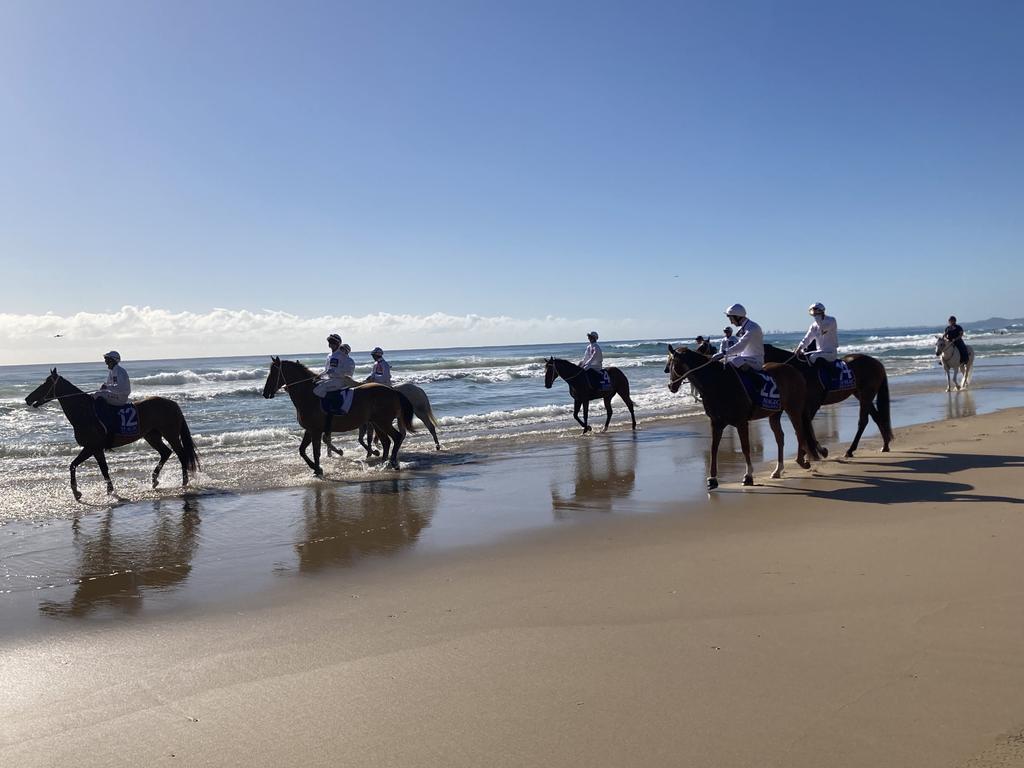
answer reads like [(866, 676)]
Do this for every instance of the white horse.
[(420, 406), (950, 355)]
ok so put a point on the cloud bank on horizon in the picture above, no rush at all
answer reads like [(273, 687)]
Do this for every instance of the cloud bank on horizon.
[(148, 333)]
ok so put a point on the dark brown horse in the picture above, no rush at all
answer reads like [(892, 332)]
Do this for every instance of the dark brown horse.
[(582, 392), (159, 419), (872, 390), (373, 404), (727, 403)]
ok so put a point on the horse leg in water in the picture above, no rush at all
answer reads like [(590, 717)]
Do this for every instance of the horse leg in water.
[(586, 416), (607, 412), (179, 450), (576, 405), (101, 459), (153, 438), (425, 418), (307, 438), (775, 422), (716, 439), (366, 436), (388, 434), (84, 454), (629, 404), (744, 430)]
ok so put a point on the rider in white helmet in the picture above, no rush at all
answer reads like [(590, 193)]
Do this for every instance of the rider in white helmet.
[(117, 388), (381, 373), (824, 332), (338, 371), (748, 351), (593, 359)]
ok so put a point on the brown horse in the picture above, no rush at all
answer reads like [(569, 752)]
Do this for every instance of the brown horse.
[(159, 419), (872, 390), (727, 404), (375, 404), (582, 392)]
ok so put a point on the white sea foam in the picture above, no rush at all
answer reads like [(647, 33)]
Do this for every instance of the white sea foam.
[(191, 377)]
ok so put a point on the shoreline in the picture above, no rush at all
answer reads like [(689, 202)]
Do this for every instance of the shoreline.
[(864, 614)]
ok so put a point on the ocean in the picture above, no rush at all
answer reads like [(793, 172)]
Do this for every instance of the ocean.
[(482, 396)]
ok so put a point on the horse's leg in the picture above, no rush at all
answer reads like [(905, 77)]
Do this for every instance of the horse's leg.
[(101, 459), (716, 438), (398, 435), (775, 422), (317, 469), (307, 438), (949, 380), (385, 439), (629, 404), (153, 438), (179, 450), (433, 432), (744, 430), (576, 405), (586, 416), (862, 421), (607, 412), (84, 454)]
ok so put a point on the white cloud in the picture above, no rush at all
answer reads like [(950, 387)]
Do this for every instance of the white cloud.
[(145, 333)]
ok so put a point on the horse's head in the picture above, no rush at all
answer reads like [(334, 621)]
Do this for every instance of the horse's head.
[(550, 374), (275, 379), (940, 345), (45, 392), (676, 367)]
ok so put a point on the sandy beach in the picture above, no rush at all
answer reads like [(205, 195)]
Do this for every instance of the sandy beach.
[(865, 613)]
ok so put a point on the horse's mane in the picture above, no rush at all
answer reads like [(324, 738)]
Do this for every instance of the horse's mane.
[(301, 366)]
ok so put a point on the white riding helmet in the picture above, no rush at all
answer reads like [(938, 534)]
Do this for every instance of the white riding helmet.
[(112, 355), (592, 333), (816, 307), (736, 310)]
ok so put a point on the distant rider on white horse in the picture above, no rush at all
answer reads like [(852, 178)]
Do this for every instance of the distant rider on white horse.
[(955, 334), (824, 334), (381, 373)]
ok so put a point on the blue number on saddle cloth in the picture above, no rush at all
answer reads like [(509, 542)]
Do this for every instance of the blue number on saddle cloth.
[(337, 402), (118, 420), (770, 399), (842, 377), (605, 381)]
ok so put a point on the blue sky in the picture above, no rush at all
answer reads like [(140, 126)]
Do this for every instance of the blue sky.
[(354, 161)]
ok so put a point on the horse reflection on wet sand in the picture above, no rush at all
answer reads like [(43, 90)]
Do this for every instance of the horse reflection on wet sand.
[(604, 474)]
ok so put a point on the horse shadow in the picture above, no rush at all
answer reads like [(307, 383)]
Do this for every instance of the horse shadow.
[(878, 487)]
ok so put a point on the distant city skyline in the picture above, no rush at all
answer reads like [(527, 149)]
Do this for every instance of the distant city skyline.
[(489, 173)]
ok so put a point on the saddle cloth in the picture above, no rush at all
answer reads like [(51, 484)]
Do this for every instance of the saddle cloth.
[(118, 420), (837, 377), (599, 380), (762, 390), (338, 402)]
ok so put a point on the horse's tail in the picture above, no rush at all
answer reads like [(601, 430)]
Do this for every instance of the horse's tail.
[(407, 411), (188, 448), (882, 403)]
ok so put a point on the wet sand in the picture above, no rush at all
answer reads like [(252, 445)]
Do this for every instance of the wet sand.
[(582, 604)]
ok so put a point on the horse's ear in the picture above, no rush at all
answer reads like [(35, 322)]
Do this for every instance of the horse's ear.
[(670, 349), (275, 359), (53, 371)]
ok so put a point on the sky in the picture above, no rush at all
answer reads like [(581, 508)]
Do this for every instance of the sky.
[(188, 179)]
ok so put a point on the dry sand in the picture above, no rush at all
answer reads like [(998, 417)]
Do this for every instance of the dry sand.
[(869, 615)]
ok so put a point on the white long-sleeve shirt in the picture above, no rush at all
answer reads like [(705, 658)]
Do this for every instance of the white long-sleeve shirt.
[(749, 346), (381, 373), (593, 357), (727, 343), (825, 334), (117, 388), (339, 365)]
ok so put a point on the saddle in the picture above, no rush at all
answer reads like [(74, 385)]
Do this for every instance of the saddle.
[(338, 402), (761, 389), (599, 381), (118, 420), (836, 377)]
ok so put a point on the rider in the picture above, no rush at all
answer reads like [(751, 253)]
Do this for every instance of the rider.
[(338, 372), (748, 351), (381, 373), (955, 334), (824, 332), (116, 389), (593, 359), (728, 341)]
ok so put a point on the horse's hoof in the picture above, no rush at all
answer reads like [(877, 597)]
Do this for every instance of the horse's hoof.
[(803, 463), (110, 490), (155, 484), (748, 480), (776, 474), (885, 449), (78, 495), (318, 472), (823, 451), (849, 454), (712, 483), (437, 447)]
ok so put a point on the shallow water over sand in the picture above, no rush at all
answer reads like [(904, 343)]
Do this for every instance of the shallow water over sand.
[(209, 549)]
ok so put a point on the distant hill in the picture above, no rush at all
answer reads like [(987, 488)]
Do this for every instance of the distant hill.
[(992, 322)]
